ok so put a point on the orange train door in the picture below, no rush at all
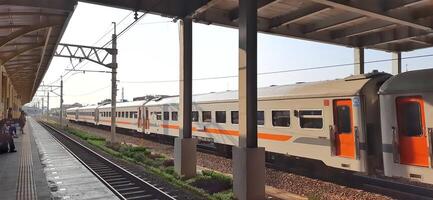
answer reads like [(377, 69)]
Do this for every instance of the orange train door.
[(344, 133), (412, 138)]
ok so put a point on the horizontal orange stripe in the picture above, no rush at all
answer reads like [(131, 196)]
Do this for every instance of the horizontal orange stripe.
[(170, 126), (265, 136), (118, 122)]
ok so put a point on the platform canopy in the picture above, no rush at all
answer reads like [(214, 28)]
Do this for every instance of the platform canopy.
[(29, 33), (389, 25)]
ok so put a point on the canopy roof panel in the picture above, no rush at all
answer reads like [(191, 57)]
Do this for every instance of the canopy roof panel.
[(29, 33), (389, 25)]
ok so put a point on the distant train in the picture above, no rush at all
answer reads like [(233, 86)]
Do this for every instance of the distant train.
[(370, 123)]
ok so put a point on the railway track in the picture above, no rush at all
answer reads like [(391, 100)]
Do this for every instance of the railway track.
[(120, 181)]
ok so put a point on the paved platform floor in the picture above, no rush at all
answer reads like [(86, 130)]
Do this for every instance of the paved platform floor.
[(43, 169)]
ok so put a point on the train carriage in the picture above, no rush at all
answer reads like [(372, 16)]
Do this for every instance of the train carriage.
[(88, 114), (72, 114), (407, 125), (127, 115), (329, 121)]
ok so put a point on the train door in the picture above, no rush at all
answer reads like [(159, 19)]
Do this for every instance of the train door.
[(412, 138), (344, 132)]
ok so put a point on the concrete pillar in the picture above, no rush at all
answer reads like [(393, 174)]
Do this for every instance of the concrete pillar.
[(359, 60), (1, 94), (185, 159), (248, 159), (396, 63)]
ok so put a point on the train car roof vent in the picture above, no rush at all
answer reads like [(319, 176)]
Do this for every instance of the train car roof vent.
[(300, 82), (273, 85)]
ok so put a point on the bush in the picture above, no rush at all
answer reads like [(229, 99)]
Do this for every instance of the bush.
[(139, 157)]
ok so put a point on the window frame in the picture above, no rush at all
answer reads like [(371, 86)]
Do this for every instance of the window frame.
[(202, 116), (321, 116), (166, 114), (177, 116), (198, 116), (225, 116), (231, 117), (281, 110)]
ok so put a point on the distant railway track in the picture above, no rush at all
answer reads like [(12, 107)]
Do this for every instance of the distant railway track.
[(120, 181), (391, 188)]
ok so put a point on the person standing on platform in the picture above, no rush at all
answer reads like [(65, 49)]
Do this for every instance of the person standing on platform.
[(22, 121), (7, 132)]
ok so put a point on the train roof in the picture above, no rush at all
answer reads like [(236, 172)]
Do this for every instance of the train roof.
[(88, 107), (126, 104), (73, 108), (409, 82), (348, 86)]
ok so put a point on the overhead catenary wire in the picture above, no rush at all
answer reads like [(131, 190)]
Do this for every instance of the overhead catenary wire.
[(284, 71)]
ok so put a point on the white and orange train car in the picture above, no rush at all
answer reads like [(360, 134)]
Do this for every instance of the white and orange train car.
[(406, 105), (337, 122), (127, 115)]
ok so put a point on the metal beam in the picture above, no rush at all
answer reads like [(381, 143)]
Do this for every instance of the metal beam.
[(361, 29), (234, 14), (204, 8), (47, 39), (359, 61), (298, 15), (390, 36), (95, 54), (398, 16), (396, 63), (341, 21)]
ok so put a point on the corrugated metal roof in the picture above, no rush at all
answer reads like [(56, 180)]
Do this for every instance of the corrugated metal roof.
[(390, 25), (29, 33)]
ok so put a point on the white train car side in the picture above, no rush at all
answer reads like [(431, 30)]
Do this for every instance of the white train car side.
[(127, 115), (406, 105), (324, 120), (88, 114), (72, 114)]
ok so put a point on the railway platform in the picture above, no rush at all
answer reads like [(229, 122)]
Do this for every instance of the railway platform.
[(43, 169)]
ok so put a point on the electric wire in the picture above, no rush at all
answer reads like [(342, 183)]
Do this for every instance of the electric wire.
[(283, 71)]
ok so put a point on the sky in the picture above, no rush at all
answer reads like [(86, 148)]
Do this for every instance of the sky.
[(148, 58)]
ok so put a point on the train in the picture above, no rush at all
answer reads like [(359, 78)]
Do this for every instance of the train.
[(370, 123)]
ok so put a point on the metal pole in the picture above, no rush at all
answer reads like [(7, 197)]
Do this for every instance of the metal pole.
[(61, 101), (48, 105), (113, 85), (42, 116)]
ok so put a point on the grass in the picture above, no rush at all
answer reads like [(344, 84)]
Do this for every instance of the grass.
[(207, 184)]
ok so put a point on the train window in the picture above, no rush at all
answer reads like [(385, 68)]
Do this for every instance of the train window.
[(174, 116), (123, 114), (207, 116), (235, 117), (135, 115), (311, 119), (409, 118), (281, 118), (195, 116), (344, 119), (126, 114), (158, 115), (166, 116), (261, 118), (220, 116)]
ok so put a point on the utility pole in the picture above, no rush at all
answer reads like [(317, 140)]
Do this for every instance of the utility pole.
[(113, 85), (42, 116), (61, 102), (123, 94), (48, 105)]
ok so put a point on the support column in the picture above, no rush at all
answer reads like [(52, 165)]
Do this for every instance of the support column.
[(396, 63), (185, 160), (248, 158), (61, 102), (113, 86), (359, 60)]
